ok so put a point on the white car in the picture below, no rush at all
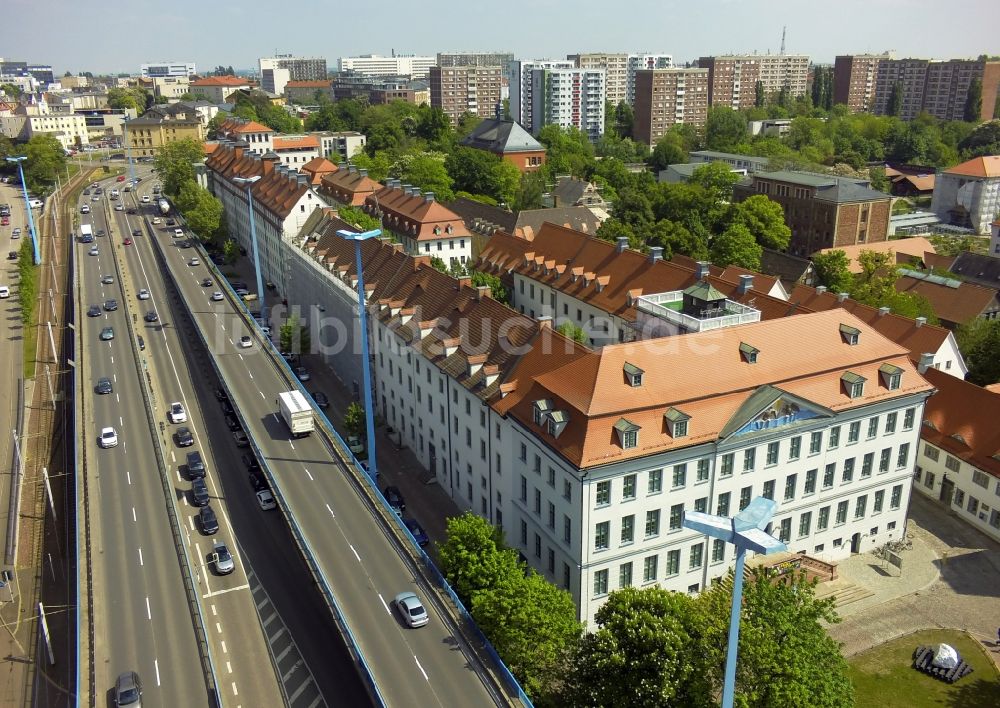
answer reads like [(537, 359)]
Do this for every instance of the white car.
[(178, 232), (216, 296), (411, 608), (144, 294), (119, 207), (177, 413), (145, 199), (93, 251), (4, 291), (157, 220), (246, 342), (266, 500), (109, 438), (194, 262)]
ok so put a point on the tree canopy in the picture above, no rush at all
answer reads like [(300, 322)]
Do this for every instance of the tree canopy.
[(979, 342), (46, 162), (833, 269), (174, 164)]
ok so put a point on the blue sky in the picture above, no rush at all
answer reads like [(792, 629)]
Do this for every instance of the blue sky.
[(100, 37)]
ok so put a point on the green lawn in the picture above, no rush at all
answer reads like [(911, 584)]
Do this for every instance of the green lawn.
[(883, 677)]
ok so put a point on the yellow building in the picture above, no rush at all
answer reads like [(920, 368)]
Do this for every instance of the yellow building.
[(145, 135)]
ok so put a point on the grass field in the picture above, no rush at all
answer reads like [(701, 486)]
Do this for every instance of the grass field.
[(883, 677)]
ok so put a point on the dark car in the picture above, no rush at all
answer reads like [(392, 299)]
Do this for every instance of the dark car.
[(111, 305), (128, 690), (250, 462), (219, 259), (221, 395), (86, 192), (419, 535), (137, 232), (199, 492), (94, 311), (130, 210), (170, 222), (100, 232), (227, 408), (104, 386), (12, 255), (232, 423), (142, 343), (195, 465), (321, 400), (394, 498), (207, 520), (207, 283), (258, 481), (151, 316), (184, 437)]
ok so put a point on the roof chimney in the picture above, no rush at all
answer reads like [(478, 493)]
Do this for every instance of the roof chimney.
[(302, 178), (883, 311), (841, 297), (920, 322), (622, 244), (363, 172), (820, 289), (655, 254), (545, 322), (701, 270), (926, 362), (415, 192), (428, 197), (746, 284), (483, 291)]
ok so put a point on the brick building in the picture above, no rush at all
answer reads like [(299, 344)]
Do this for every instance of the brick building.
[(938, 87), (508, 141), (466, 89), (733, 79), (854, 78), (665, 97), (822, 211)]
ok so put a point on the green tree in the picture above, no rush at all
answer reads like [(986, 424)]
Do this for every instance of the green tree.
[(359, 219), (230, 251), (973, 101), (175, 162), (480, 172), (433, 124), (675, 239), (668, 151), (787, 658), (724, 129), (497, 289), (895, 105), (470, 559), (531, 188), (979, 342), (11, 90), (354, 419), (27, 288), (717, 179), (736, 246), (759, 98), (878, 179), (568, 151), (293, 337), (643, 652), (204, 216), (215, 123), (833, 269), (984, 140), (428, 173), (125, 98), (378, 165), (439, 264), (624, 120), (571, 331), (46, 162), (765, 219), (876, 286)]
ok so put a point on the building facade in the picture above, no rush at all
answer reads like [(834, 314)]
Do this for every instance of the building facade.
[(854, 80), (163, 69), (643, 62), (466, 89), (453, 59), (219, 89), (146, 135), (968, 194), (938, 87), (307, 92), (274, 80), (733, 79), (415, 67), (69, 129), (170, 86), (508, 141), (259, 137), (299, 68), (666, 97), (569, 98), (521, 86), (339, 145), (616, 72)]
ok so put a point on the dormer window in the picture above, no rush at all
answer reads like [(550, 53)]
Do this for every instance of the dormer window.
[(449, 229), (854, 384), (437, 230), (628, 433), (891, 376), (749, 353), (677, 422), (850, 335), (539, 410), (556, 423), (633, 375)]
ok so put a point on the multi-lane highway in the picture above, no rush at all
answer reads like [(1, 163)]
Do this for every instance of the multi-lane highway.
[(358, 557)]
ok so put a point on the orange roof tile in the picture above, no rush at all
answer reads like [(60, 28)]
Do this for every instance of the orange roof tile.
[(416, 216), (988, 166), (295, 141), (913, 247), (220, 81), (348, 186), (307, 84), (962, 409), (955, 302), (210, 147), (277, 192)]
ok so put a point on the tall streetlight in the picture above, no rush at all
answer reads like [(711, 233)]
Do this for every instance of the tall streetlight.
[(745, 531), (27, 205), (363, 324), (249, 182)]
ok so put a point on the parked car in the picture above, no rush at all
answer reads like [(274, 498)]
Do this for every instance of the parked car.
[(394, 498), (266, 500), (417, 531), (257, 480), (249, 461), (302, 373), (241, 439), (321, 400)]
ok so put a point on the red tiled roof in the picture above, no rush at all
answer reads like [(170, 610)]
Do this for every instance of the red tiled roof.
[(276, 192), (988, 166), (220, 81), (239, 125), (958, 305), (210, 147), (348, 186), (418, 217), (317, 167), (295, 142), (962, 409), (307, 84)]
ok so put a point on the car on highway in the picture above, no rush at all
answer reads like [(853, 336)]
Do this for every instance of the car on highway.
[(137, 232), (257, 480), (195, 464), (321, 400), (194, 262), (177, 414), (170, 222), (245, 342), (86, 192), (87, 238), (184, 437), (16, 233), (302, 373), (157, 220), (85, 209), (130, 210), (266, 500), (178, 233), (241, 439), (199, 492), (411, 608), (207, 283), (4, 292), (107, 334), (144, 294), (394, 498), (93, 251), (94, 311), (119, 207), (11, 255), (417, 531), (109, 438), (223, 559), (111, 305), (95, 198), (145, 199), (142, 343), (5, 221), (107, 279), (127, 241), (184, 244), (207, 520), (151, 316), (216, 296), (104, 386), (120, 178), (100, 232), (128, 690)]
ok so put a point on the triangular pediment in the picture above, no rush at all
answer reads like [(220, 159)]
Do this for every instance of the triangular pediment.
[(769, 408)]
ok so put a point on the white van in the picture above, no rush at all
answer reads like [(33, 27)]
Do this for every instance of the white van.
[(35, 203)]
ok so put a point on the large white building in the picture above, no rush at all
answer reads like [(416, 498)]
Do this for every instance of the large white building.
[(163, 69), (557, 92), (521, 85), (415, 67), (643, 62), (29, 120), (968, 194)]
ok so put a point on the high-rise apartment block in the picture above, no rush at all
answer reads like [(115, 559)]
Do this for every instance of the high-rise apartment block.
[(466, 89), (374, 65), (501, 59), (854, 80), (168, 68), (733, 79), (521, 88), (299, 68), (544, 92), (939, 87), (664, 97), (615, 68), (641, 62)]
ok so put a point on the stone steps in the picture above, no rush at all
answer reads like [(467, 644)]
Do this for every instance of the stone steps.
[(843, 593)]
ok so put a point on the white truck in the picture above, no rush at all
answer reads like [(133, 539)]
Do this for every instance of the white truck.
[(164, 206), (297, 413)]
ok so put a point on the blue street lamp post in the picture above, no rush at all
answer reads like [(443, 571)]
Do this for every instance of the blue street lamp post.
[(745, 531), (27, 205), (249, 181), (363, 325)]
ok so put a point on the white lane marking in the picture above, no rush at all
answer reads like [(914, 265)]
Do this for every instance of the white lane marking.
[(134, 520), (229, 667), (191, 522), (124, 449), (223, 592), (121, 421), (149, 612), (240, 356), (292, 444), (218, 627), (115, 377), (384, 604), (249, 373), (224, 649), (332, 515), (215, 612), (156, 664), (173, 457), (310, 475), (276, 418), (128, 477), (355, 553), (117, 398), (235, 692), (112, 358), (231, 341), (421, 668), (261, 394), (140, 556)]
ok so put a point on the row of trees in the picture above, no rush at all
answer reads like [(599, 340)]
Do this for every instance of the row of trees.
[(174, 165), (650, 647)]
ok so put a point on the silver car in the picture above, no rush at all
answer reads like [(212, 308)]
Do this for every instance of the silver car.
[(128, 690), (412, 609), (223, 559)]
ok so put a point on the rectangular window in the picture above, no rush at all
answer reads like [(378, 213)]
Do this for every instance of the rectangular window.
[(653, 523), (680, 476), (567, 529), (872, 427), (795, 448), (748, 459), (841, 513), (805, 524), (768, 492), (694, 560), (879, 499), (908, 417), (718, 550), (815, 443), (524, 533), (890, 423), (524, 453), (973, 505), (552, 514), (567, 490), (834, 441), (745, 497), (552, 473), (785, 530), (848, 474), (625, 575), (854, 432), (703, 470), (722, 505), (866, 464), (600, 583), (649, 569), (952, 463), (628, 487), (673, 563), (884, 458), (979, 478), (859, 506), (929, 479), (628, 528), (727, 465), (772, 453), (603, 493), (790, 481), (823, 519), (524, 489), (931, 453), (566, 576), (676, 514), (701, 505), (655, 483)]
